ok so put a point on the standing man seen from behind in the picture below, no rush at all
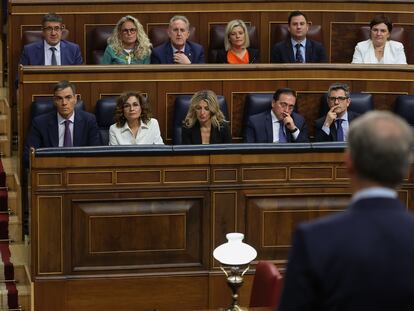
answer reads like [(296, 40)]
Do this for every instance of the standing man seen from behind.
[(280, 124), (297, 48), (52, 50), (335, 125), (360, 259), (65, 127), (178, 50)]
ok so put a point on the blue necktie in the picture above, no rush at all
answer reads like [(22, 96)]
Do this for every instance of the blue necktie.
[(282, 135), (339, 130), (299, 57), (67, 139), (53, 61)]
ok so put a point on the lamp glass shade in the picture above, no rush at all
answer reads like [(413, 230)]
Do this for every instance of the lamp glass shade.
[(234, 252)]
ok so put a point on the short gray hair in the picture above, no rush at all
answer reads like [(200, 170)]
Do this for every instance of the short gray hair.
[(339, 86), (380, 144), (180, 18)]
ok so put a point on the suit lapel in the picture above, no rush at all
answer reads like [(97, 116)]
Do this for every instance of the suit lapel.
[(53, 130), (289, 51), (333, 131), (308, 51), (78, 129), (41, 52), (188, 51), (169, 54), (269, 128), (63, 54)]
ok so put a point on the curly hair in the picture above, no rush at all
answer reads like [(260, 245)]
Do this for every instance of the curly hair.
[(121, 101), (217, 117), (142, 45), (229, 28)]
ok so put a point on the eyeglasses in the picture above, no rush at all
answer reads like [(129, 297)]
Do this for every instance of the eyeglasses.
[(50, 29), (130, 107), (129, 30), (286, 106), (340, 98)]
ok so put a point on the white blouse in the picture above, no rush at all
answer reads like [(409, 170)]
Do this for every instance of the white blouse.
[(147, 134), (393, 53)]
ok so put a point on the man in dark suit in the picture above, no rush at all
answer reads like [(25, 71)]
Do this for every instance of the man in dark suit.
[(178, 50), (360, 259), (297, 48), (52, 50), (279, 124), (335, 125), (64, 127)]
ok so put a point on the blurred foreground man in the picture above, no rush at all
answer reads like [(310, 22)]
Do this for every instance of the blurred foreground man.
[(360, 259)]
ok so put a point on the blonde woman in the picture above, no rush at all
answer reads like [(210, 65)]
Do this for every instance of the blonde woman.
[(128, 44), (205, 123), (236, 45)]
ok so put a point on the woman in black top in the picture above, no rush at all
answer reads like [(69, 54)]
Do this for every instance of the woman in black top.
[(205, 123)]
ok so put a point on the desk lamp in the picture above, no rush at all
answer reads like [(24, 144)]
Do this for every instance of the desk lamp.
[(233, 255)]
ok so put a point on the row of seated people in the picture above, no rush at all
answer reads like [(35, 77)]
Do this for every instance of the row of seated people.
[(295, 42), (198, 119)]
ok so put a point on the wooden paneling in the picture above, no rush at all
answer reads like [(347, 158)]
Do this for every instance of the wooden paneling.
[(103, 242)]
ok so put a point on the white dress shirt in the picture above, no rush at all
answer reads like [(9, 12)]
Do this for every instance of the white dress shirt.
[(276, 126), (393, 53), (48, 54), (147, 134), (61, 127)]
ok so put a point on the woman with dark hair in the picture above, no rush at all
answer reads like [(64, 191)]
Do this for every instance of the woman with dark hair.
[(128, 44), (134, 124), (205, 123), (379, 49), (236, 45)]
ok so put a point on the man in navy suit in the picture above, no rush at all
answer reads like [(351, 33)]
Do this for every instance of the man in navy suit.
[(178, 50), (297, 48), (335, 125), (52, 50), (280, 124), (64, 127), (360, 259)]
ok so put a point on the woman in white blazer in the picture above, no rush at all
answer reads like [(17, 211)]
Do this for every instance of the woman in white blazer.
[(379, 49)]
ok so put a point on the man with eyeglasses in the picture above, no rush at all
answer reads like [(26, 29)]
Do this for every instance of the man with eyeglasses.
[(335, 125), (178, 50), (280, 124), (52, 50)]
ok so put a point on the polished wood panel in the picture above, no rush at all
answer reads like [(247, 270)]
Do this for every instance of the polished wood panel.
[(106, 242)]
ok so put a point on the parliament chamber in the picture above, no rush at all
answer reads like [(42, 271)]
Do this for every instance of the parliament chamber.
[(115, 227)]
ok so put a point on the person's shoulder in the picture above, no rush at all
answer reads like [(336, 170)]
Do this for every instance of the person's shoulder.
[(297, 116), (32, 45), (45, 117), (160, 48), (395, 44), (85, 114), (260, 116), (281, 44), (327, 223), (195, 45), (319, 122), (363, 44), (315, 43), (68, 44)]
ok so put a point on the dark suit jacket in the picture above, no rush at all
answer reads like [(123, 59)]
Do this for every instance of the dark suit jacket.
[(260, 130), (357, 260), (254, 56), (282, 52), (322, 136), (192, 136), (44, 132), (33, 54), (163, 54)]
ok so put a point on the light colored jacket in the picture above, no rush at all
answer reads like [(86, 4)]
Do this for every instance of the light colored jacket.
[(393, 53)]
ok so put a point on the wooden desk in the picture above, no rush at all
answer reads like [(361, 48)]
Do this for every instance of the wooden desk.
[(138, 226)]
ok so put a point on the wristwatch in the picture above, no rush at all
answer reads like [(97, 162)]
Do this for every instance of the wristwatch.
[(294, 130)]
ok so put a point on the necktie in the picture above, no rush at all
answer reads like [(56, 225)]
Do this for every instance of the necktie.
[(282, 135), (299, 57), (53, 61), (339, 130), (67, 139)]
